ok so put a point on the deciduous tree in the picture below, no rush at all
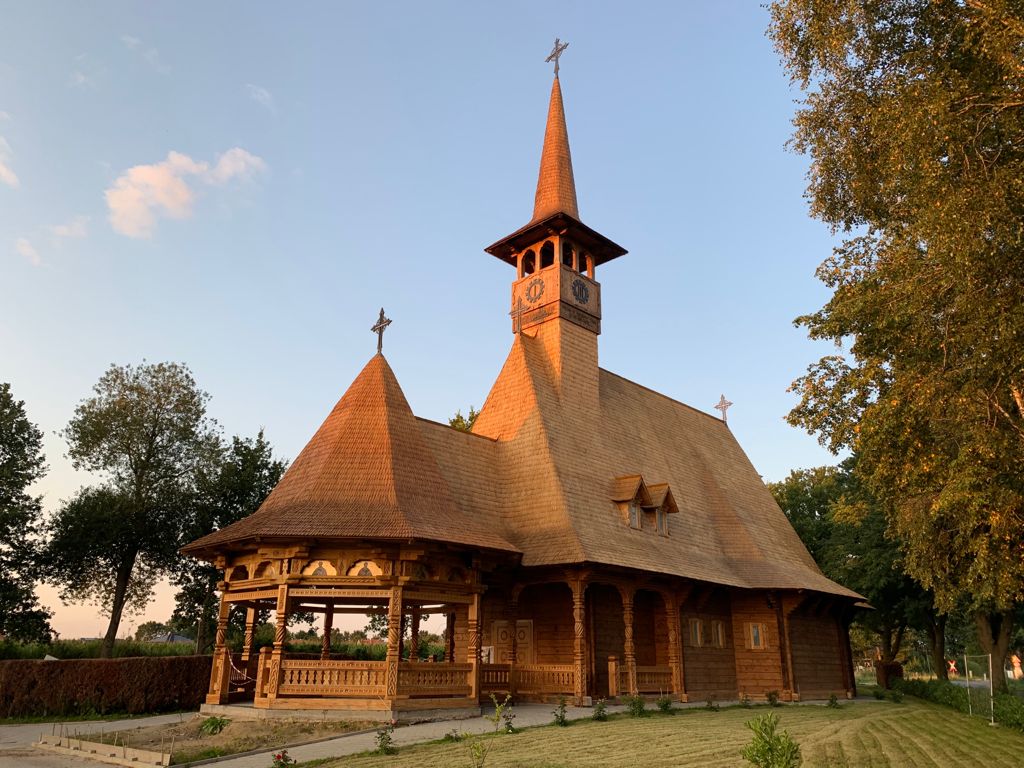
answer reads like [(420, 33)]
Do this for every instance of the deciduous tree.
[(232, 487), (21, 464), (914, 121), (146, 432)]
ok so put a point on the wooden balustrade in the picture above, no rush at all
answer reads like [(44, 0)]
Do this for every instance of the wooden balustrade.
[(654, 680), (495, 678), (544, 678), (332, 678), (434, 680)]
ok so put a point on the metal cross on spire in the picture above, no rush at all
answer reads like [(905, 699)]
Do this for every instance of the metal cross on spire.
[(556, 53), (378, 328), (723, 406)]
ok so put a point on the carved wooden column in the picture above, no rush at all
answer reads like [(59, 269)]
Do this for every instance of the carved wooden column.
[(220, 675), (473, 643), (325, 648), (250, 626), (579, 639), (513, 655), (785, 650), (449, 637), (675, 646), (394, 642), (628, 646), (414, 642), (280, 635)]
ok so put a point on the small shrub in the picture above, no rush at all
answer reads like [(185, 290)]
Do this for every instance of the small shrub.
[(636, 706), (895, 696), (773, 698), (453, 736), (386, 739), (503, 714), (478, 749), (282, 759), (710, 705), (833, 701), (665, 704), (745, 702), (600, 711), (561, 718), (878, 694), (211, 726), (768, 748)]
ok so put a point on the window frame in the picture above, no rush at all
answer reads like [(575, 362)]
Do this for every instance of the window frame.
[(760, 643), (696, 633)]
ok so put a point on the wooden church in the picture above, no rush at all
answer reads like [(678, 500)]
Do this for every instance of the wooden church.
[(590, 538)]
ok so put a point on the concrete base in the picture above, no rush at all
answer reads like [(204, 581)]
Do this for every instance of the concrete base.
[(247, 711)]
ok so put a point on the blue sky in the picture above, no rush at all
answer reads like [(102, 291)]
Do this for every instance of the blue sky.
[(241, 186)]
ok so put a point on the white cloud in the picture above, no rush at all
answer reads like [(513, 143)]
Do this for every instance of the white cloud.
[(7, 176), (150, 54), (236, 163), (76, 228), (81, 80), (26, 249), (142, 192), (261, 96), (4, 116)]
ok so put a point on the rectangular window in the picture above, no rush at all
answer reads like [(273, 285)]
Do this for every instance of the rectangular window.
[(718, 634), (696, 633), (635, 521), (757, 636), (662, 522)]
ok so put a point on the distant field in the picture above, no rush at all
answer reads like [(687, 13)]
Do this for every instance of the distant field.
[(875, 734)]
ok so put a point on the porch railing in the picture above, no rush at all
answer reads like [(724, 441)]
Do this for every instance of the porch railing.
[(332, 678), (649, 679), (417, 679), (530, 679)]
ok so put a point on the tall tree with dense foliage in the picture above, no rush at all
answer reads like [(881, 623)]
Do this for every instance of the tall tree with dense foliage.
[(844, 528), (230, 488), (21, 464), (146, 432), (464, 423), (914, 121)]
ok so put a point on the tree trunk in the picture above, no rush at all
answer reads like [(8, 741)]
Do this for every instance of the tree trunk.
[(935, 627), (892, 639), (994, 631), (124, 575)]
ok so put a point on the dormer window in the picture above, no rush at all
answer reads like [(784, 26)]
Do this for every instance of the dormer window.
[(637, 501)]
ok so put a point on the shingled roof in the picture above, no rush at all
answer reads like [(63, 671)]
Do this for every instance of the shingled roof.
[(367, 472)]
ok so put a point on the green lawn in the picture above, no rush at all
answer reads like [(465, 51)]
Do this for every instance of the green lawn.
[(913, 733)]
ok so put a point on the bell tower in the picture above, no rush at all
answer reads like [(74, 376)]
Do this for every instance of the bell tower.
[(556, 255)]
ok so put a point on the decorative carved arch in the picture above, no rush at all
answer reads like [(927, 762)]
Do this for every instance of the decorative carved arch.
[(319, 568), (239, 573), (364, 568), (265, 570)]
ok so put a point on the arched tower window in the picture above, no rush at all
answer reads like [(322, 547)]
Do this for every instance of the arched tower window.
[(567, 254), (529, 261), (547, 254)]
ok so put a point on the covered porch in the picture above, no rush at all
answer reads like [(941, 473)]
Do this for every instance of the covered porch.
[(274, 679)]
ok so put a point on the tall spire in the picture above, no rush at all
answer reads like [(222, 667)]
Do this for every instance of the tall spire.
[(556, 189)]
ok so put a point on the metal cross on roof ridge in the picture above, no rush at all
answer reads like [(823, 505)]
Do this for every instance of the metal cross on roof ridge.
[(556, 53), (378, 328), (723, 406)]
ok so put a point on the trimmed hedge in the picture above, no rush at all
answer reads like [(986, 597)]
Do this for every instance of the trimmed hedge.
[(90, 649), (1009, 710), (31, 688)]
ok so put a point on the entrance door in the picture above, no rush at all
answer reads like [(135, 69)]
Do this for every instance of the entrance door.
[(502, 638)]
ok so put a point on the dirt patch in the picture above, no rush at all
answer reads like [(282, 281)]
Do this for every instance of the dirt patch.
[(191, 742)]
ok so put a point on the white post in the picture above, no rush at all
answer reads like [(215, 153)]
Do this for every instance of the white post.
[(992, 692), (967, 674)]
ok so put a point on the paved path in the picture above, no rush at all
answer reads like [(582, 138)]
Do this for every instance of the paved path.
[(526, 715)]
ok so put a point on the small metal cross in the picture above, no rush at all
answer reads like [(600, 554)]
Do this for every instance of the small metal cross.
[(723, 406), (517, 315), (556, 53), (382, 323)]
